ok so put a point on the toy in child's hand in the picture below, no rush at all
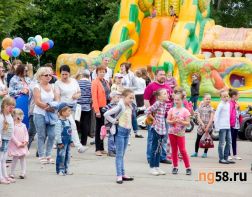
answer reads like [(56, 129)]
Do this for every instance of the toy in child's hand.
[(149, 120)]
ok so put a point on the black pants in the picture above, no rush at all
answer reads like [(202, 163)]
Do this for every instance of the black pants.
[(98, 142), (197, 144), (234, 133), (140, 100), (85, 126)]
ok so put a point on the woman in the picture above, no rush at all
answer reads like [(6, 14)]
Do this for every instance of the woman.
[(3, 86), (19, 89), (139, 92), (100, 96), (85, 101), (145, 76), (69, 91), (44, 93), (12, 69)]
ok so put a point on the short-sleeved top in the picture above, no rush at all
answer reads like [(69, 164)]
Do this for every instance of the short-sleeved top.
[(204, 112), (67, 90), (182, 114), (5, 134), (125, 119), (149, 93), (3, 87), (86, 98)]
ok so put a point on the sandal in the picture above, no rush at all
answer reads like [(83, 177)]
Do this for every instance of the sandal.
[(11, 180), (12, 176), (50, 160), (22, 176), (4, 181), (43, 160)]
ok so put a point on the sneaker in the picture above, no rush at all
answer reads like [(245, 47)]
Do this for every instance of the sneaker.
[(127, 178), (119, 180), (22, 176), (175, 171), (61, 173), (11, 180), (69, 172), (160, 171), (128, 143), (237, 158), (154, 171), (139, 136), (223, 161), (111, 154), (194, 155), (188, 171), (204, 155), (82, 149), (229, 158), (231, 162), (166, 161)]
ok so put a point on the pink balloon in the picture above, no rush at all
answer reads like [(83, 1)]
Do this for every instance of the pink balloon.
[(9, 51)]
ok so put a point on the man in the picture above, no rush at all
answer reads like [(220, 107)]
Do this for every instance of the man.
[(109, 73), (149, 99)]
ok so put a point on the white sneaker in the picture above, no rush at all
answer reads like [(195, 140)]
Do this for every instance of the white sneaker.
[(237, 158), (160, 171), (82, 149), (128, 143), (229, 158), (154, 171)]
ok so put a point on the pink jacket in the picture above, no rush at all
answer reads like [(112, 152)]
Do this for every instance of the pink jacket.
[(233, 113)]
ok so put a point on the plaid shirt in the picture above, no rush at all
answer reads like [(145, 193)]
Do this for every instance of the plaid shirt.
[(160, 109), (204, 112)]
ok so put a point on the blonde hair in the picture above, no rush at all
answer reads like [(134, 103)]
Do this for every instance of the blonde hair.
[(18, 113), (7, 101), (41, 71), (30, 70)]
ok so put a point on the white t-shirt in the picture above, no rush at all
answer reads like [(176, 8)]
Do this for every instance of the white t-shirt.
[(6, 135), (107, 77), (67, 90), (222, 116), (140, 86)]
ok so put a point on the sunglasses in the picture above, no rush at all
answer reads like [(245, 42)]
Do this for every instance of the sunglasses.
[(47, 75)]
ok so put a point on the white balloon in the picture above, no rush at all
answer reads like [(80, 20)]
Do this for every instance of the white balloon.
[(38, 38)]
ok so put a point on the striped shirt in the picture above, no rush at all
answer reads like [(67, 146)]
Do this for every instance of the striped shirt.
[(85, 100)]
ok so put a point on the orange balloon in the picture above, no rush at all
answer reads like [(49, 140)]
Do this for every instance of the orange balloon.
[(7, 42)]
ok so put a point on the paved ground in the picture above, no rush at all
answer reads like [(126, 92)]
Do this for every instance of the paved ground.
[(95, 176)]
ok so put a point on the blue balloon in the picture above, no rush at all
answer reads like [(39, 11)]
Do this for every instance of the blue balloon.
[(51, 43), (38, 50), (15, 52)]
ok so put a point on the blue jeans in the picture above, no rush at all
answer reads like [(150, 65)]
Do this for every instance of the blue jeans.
[(156, 149), (44, 131), (194, 100), (121, 142), (134, 118), (63, 159), (224, 137), (111, 144), (164, 144)]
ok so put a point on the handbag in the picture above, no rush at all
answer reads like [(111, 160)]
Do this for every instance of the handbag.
[(206, 141), (77, 113), (103, 132)]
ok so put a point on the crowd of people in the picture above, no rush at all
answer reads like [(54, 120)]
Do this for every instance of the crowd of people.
[(63, 112)]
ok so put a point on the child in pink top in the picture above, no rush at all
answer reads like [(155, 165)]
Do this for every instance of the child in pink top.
[(18, 144), (178, 118)]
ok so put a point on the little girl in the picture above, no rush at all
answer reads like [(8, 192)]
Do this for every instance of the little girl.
[(178, 118), (18, 144), (235, 120), (63, 139), (205, 119), (123, 119), (117, 85), (6, 130), (159, 108), (222, 124)]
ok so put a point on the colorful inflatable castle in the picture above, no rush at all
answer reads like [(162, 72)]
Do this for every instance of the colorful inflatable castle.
[(176, 36)]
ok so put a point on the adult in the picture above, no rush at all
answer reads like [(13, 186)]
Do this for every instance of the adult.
[(170, 80), (100, 96), (145, 76), (44, 93), (149, 99), (85, 101), (54, 76), (12, 69), (140, 87), (69, 91), (109, 73), (19, 89), (129, 82), (195, 90), (3, 85)]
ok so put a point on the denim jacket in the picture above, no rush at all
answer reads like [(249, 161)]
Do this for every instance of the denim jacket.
[(16, 86)]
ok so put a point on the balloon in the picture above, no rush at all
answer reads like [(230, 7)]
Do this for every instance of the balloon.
[(7, 42), (32, 53), (51, 43), (33, 44), (45, 46), (18, 42), (38, 50), (27, 48), (45, 39), (39, 44), (9, 51), (15, 52), (4, 56), (30, 39), (38, 38)]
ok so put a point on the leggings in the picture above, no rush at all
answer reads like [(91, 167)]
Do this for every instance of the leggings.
[(22, 164), (197, 144), (234, 133), (3, 171)]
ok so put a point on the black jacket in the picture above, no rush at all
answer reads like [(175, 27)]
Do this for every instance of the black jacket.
[(195, 87)]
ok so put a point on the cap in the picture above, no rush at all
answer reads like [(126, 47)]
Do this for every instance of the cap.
[(118, 75), (63, 105), (115, 93)]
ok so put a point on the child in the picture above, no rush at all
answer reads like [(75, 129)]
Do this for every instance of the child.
[(6, 130), (222, 124), (117, 85), (195, 90), (123, 120), (171, 81), (63, 138), (115, 97), (205, 119), (159, 108), (178, 118), (172, 12), (18, 144), (235, 120)]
